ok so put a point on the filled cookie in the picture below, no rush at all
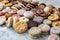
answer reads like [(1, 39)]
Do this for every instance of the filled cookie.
[(20, 26), (53, 17), (55, 30), (53, 37), (2, 20), (56, 24), (34, 32), (45, 28), (9, 22)]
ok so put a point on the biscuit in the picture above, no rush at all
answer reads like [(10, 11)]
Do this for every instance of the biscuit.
[(56, 24), (9, 22), (35, 32), (53, 17), (1, 13), (5, 1), (53, 37), (20, 26), (45, 28), (1, 6), (9, 4), (2, 20), (46, 9)]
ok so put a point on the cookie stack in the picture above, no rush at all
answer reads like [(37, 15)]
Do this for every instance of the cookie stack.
[(38, 18)]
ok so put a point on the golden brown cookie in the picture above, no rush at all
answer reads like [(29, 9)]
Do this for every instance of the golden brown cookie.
[(9, 4), (20, 27), (53, 17), (56, 24), (5, 1), (7, 15)]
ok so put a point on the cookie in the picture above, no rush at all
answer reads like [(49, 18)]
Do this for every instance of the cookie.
[(53, 37), (46, 21), (55, 30), (9, 22), (53, 17), (21, 27), (1, 13), (38, 19), (15, 15), (15, 20), (7, 9), (7, 15), (21, 12), (3, 19), (46, 9), (27, 1), (31, 23), (56, 24), (5, 1), (12, 12), (29, 14), (1, 6), (45, 28), (24, 19), (34, 32), (9, 4)]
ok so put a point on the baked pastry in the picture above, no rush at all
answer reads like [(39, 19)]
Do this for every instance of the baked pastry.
[(55, 30), (38, 19), (53, 17), (35, 32), (46, 21), (15, 20), (7, 15), (7, 9), (56, 24), (24, 19), (45, 28), (29, 14), (9, 22), (20, 26), (21, 12), (46, 9), (31, 23), (16, 15), (2, 20), (1, 13), (53, 37), (1, 6), (8, 4)]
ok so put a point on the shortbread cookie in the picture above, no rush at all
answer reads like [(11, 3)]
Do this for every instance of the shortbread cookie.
[(48, 22), (24, 19), (53, 37), (29, 14), (56, 24), (55, 30), (2, 20), (20, 26), (45, 28), (35, 32), (53, 17), (9, 22)]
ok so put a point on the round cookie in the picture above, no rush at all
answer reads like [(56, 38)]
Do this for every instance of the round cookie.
[(20, 26), (53, 37), (9, 22), (38, 19), (3, 19), (35, 32), (31, 24), (21, 12), (46, 21), (53, 17), (45, 28), (46, 9), (55, 30), (56, 24), (1, 6), (24, 19), (29, 14)]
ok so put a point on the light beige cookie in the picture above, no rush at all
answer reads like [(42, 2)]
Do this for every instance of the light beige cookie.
[(2, 20), (20, 26), (9, 22)]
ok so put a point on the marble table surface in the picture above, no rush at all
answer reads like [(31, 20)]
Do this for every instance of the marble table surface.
[(10, 34)]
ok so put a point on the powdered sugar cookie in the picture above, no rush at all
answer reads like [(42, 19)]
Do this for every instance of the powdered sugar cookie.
[(2, 20), (20, 26)]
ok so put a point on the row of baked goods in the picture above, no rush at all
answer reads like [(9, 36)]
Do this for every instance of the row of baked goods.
[(30, 15)]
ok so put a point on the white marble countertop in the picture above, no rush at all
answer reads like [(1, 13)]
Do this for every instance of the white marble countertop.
[(10, 34)]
